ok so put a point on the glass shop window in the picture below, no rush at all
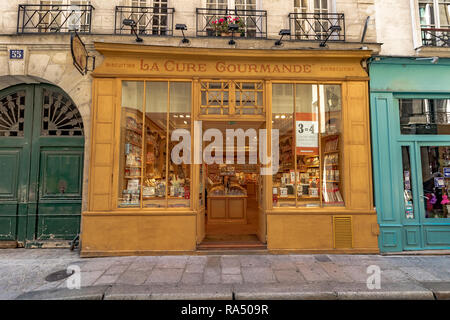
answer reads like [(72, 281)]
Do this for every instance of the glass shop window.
[(436, 180), (424, 116), (308, 118), (148, 177)]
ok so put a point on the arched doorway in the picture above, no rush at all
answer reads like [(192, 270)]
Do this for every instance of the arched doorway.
[(41, 164)]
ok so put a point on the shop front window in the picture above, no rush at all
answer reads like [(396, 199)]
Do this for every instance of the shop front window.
[(424, 116), (436, 180), (407, 184), (148, 176), (308, 118)]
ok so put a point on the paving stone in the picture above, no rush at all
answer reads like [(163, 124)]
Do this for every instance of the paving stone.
[(283, 265), (258, 274), (233, 261), (172, 262), (117, 269), (107, 279), (313, 272), (387, 291), (212, 275), (140, 265), (335, 272), (133, 277), (195, 268), (231, 270), (167, 275), (394, 275), (192, 278), (213, 262), (231, 278), (356, 273), (301, 258), (288, 276), (88, 278), (255, 261), (418, 274), (197, 260)]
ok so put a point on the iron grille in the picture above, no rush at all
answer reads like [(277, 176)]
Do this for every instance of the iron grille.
[(434, 37), (253, 22), (54, 18), (317, 26), (149, 20)]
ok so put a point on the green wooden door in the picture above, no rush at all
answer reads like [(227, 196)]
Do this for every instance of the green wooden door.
[(50, 204), (16, 116)]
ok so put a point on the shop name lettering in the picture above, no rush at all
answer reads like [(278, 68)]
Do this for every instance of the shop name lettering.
[(220, 66)]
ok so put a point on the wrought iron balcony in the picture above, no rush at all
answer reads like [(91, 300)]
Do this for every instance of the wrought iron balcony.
[(149, 20), (54, 18), (433, 37), (251, 23), (317, 26)]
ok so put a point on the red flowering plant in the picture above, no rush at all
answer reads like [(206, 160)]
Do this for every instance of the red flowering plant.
[(221, 25)]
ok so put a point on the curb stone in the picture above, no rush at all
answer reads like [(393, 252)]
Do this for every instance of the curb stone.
[(160, 292), (86, 293)]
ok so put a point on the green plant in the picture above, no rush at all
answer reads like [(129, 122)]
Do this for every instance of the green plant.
[(221, 25)]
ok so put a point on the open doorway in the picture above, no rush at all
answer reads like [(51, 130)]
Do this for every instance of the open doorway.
[(233, 189)]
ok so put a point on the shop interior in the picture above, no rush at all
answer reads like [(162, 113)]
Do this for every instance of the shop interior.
[(233, 191)]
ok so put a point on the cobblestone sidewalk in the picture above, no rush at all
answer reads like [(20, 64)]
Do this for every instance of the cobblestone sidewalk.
[(224, 276)]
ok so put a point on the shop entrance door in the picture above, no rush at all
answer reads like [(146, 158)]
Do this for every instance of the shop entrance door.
[(427, 204), (234, 213), (41, 164)]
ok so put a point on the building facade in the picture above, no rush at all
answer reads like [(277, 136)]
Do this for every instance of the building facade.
[(97, 148), (410, 92)]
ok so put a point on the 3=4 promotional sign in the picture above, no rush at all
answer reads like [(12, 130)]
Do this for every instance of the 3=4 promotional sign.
[(307, 127)]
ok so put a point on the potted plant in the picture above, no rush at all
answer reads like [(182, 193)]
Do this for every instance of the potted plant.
[(221, 26)]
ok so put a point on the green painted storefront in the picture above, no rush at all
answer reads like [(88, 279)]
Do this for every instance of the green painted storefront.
[(41, 164), (410, 117)]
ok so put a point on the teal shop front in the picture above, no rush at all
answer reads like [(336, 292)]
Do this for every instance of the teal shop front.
[(410, 119)]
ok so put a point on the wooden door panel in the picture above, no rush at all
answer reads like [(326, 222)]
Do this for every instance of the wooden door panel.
[(61, 173), (9, 173), (9, 180), (60, 193)]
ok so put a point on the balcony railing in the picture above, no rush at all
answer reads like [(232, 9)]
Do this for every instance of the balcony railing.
[(317, 26), (149, 20), (54, 18), (253, 22), (433, 37)]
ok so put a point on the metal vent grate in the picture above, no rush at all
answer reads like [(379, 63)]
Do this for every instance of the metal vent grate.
[(343, 235)]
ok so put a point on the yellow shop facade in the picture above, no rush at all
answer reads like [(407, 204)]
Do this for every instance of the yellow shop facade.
[(312, 107)]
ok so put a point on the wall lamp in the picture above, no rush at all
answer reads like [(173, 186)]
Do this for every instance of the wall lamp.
[(132, 24), (233, 27), (330, 32), (182, 27), (282, 33)]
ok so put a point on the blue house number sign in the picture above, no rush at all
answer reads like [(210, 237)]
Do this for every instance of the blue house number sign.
[(16, 54)]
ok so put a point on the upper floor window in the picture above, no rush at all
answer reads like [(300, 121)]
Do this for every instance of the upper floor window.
[(232, 4), (216, 16), (314, 20), (434, 18), (151, 17), (312, 6), (72, 12)]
